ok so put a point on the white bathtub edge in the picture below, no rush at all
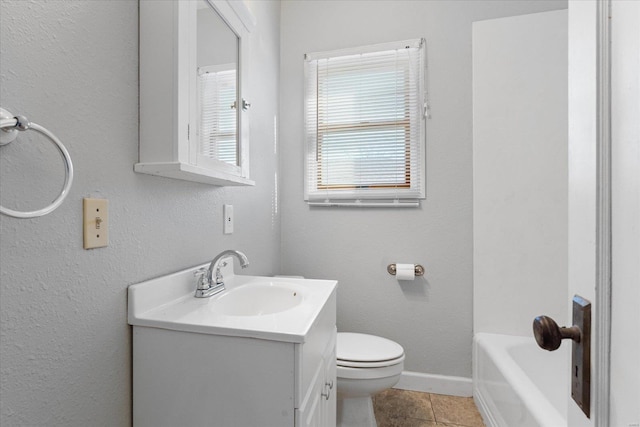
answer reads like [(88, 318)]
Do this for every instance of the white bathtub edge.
[(483, 408), (438, 384), (486, 412), (538, 407)]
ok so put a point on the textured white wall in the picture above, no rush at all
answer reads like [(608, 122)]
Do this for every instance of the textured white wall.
[(431, 317), (520, 175), (72, 66)]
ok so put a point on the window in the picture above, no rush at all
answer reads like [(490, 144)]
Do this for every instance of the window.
[(365, 131), (218, 128)]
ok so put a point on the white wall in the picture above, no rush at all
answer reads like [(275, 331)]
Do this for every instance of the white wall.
[(72, 66), (431, 317), (519, 172)]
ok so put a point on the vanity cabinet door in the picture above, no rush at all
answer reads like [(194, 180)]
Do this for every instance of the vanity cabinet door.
[(313, 413), (330, 386), (319, 407)]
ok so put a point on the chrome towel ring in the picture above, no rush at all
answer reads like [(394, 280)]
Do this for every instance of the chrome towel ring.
[(10, 125)]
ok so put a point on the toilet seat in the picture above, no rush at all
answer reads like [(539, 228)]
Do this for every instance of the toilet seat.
[(367, 351), (345, 372), (380, 364)]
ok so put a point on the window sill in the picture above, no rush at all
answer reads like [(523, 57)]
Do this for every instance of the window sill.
[(409, 203)]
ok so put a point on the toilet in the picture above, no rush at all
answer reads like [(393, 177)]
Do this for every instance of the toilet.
[(366, 365)]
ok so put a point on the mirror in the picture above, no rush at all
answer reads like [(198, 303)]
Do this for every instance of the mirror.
[(217, 87)]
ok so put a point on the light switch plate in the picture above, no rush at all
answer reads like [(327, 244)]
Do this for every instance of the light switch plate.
[(96, 223)]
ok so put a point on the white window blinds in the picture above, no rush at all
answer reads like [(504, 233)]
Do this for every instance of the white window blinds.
[(365, 131), (218, 113)]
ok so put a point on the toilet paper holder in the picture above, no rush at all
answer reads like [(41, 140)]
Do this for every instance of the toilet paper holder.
[(418, 269)]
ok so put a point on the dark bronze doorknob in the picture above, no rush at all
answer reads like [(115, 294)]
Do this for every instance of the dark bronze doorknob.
[(549, 335)]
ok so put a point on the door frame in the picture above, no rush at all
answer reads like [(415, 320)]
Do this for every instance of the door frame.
[(601, 369)]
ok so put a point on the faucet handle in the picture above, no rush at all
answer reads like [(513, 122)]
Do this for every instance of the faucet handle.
[(219, 278), (201, 275)]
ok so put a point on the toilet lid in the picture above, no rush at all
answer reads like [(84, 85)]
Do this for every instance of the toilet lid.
[(366, 348)]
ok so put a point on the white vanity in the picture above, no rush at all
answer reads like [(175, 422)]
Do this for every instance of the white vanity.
[(261, 353)]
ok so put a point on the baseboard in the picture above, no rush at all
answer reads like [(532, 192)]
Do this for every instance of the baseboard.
[(438, 384)]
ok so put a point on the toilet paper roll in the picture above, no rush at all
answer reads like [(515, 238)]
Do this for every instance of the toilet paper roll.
[(405, 272)]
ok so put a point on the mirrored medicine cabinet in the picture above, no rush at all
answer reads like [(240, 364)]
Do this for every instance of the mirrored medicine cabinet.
[(194, 119)]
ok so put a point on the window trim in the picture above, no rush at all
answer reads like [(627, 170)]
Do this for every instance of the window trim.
[(401, 194)]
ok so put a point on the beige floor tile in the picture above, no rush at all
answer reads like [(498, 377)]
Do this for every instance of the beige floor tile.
[(395, 403), (385, 421), (460, 411)]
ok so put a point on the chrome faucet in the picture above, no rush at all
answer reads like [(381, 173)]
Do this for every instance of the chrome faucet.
[(206, 285)]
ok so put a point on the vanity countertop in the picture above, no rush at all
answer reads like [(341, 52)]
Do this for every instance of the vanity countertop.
[(168, 302)]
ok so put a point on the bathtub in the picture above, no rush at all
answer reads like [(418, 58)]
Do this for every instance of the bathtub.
[(517, 384)]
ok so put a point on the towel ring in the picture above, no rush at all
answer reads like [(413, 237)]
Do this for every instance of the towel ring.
[(21, 123)]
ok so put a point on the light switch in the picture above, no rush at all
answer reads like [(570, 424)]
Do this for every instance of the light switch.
[(96, 223)]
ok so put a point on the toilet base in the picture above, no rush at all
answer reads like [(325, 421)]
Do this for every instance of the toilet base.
[(356, 412)]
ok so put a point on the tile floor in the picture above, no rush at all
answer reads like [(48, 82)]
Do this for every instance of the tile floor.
[(404, 408)]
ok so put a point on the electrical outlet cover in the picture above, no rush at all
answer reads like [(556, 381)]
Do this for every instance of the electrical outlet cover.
[(228, 219)]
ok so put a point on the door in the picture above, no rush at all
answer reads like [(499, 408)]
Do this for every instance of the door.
[(593, 190), (582, 174)]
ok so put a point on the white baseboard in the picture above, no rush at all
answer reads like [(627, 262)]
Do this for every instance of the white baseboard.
[(438, 384)]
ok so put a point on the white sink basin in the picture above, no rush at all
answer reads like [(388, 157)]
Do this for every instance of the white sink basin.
[(279, 309), (258, 299)]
